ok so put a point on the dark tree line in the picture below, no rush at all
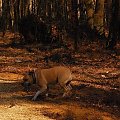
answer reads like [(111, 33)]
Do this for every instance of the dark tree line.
[(76, 17)]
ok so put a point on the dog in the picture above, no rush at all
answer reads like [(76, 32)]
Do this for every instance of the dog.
[(44, 77)]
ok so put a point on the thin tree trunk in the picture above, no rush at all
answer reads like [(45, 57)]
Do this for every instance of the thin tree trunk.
[(108, 11), (90, 12), (38, 6), (65, 13), (49, 11), (99, 16), (16, 14), (75, 22), (4, 16)]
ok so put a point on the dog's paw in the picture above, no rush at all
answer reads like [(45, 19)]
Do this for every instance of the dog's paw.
[(67, 94), (33, 99)]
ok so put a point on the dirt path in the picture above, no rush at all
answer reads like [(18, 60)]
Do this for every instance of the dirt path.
[(95, 68), (17, 105)]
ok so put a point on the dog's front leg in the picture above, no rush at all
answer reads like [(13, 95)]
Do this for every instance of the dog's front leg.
[(43, 89)]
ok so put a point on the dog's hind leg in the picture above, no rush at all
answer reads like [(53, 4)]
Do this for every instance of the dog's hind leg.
[(43, 89), (67, 92)]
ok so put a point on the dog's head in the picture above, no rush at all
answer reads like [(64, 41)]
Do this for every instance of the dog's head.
[(28, 79)]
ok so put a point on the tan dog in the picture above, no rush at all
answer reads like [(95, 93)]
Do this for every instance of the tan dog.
[(43, 77)]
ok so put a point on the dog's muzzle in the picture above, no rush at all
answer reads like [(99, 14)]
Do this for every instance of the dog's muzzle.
[(26, 86)]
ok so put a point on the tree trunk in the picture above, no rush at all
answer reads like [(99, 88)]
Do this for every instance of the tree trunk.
[(49, 12), (65, 12), (99, 17), (16, 14), (41, 9), (75, 22), (4, 16), (108, 11), (90, 12), (114, 28)]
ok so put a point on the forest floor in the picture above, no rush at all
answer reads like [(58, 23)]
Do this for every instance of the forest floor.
[(95, 97)]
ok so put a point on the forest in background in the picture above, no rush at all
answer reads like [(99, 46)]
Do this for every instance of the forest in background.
[(80, 19)]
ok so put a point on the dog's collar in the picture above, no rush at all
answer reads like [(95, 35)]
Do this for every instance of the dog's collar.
[(34, 77)]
